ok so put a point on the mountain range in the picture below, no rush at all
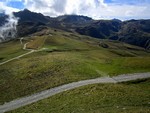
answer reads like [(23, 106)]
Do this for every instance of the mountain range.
[(135, 32)]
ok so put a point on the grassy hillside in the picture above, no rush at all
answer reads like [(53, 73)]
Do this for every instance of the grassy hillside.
[(10, 49), (130, 97), (63, 58)]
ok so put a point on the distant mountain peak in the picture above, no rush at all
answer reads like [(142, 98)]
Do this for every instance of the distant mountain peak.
[(115, 19), (74, 19), (27, 15), (26, 10)]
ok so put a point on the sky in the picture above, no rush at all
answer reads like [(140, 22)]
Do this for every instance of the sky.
[(97, 9)]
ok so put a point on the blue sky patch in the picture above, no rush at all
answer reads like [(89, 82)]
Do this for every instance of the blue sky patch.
[(16, 4)]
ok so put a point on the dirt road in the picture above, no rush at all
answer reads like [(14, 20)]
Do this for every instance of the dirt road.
[(47, 93)]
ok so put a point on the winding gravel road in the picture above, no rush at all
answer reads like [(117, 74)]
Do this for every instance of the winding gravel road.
[(15, 58), (24, 48), (47, 93)]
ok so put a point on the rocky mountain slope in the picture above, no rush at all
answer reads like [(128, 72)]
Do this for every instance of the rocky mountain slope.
[(136, 32)]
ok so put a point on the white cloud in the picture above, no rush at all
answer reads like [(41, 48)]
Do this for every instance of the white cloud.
[(8, 30), (126, 11), (60, 7), (97, 9), (14, 0), (8, 10)]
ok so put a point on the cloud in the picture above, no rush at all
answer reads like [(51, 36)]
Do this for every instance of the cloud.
[(60, 7), (14, 0), (8, 10), (127, 11), (8, 29), (130, 1), (98, 9)]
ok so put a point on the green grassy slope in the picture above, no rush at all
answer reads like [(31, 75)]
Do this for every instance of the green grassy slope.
[(10, 49), (67, 57), (130, 97)]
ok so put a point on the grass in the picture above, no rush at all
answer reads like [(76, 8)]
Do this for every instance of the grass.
[(10, 50), (67, 58), (36, 42), (129, 97)]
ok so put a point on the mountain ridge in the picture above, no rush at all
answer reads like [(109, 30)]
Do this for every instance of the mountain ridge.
[(135, 32)]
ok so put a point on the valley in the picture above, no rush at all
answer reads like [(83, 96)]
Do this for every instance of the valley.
[(67, 58), (50, 53)]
